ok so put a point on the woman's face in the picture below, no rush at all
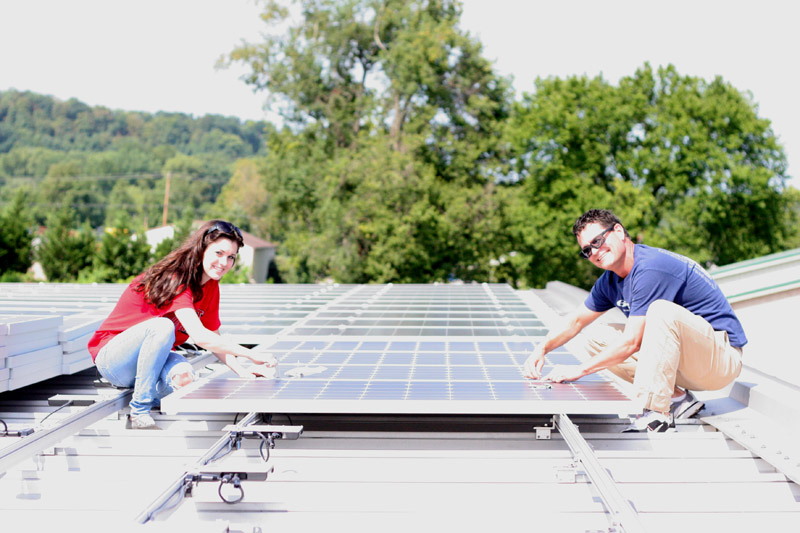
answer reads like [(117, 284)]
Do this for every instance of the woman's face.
[(219, 258)]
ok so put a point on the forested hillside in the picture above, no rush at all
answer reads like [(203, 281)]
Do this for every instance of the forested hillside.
[(405, 157), (95, 159)]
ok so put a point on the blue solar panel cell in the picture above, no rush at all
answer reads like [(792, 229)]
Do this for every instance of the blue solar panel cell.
[(487, 346), (401, 346), (372, 346), (471, 391), (398, 358), (523, 347), (364, 358), (428, 390), (504, 373), (462, 346), (331, 358), (355, 372), (343, 390), (519, 391), (386, 390), (438, 373), (428, 346), (393, 373), (458, 358), (313, 345), (284, 345), (301, 358), (497, 359), (431, 359), (467, 373)]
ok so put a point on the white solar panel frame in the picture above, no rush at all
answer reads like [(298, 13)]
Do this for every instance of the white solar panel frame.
[(177, 403)]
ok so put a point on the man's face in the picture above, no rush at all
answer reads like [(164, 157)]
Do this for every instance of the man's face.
[(611, 248)]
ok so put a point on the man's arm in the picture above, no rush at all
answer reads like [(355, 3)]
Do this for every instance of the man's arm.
[(573, 323), (628, 344)]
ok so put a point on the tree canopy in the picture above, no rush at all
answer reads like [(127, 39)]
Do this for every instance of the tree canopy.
[(404, 157), (687, 164), (94, 160)]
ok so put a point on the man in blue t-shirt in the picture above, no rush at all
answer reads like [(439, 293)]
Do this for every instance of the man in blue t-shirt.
[(680, 335)]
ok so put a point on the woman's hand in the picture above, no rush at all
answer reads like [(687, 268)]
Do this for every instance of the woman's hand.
[(261, 357)]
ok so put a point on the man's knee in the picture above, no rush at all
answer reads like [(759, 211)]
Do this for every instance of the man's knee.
[(664, 311)]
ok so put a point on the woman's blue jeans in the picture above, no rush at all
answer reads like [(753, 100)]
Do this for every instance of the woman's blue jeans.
[(142, 357)]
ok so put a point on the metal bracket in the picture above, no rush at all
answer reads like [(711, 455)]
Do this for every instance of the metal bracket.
[(225, 477), (17, 432), (566, 474), (543, 432), (271, 433)]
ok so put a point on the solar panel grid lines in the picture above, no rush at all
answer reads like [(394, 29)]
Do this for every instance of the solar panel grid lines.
[(254, 321), (438, 310), (390, 376)]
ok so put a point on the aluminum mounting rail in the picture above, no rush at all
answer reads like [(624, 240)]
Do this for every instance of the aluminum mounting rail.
[(623, 515), (178, 486), (39, 440)]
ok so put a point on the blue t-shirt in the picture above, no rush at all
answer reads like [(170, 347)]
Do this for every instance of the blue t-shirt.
[(663, 275)]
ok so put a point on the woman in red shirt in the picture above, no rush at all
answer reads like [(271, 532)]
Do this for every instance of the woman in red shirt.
[(173, 300)]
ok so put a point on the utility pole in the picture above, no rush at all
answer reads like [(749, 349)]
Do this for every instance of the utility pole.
[(166, 199)]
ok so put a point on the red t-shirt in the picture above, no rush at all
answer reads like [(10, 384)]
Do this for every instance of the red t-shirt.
[(132, 309)]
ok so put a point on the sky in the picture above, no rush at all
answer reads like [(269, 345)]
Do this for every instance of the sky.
[(160, 55)]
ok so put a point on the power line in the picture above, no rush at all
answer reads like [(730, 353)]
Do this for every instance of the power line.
[(112, 177)]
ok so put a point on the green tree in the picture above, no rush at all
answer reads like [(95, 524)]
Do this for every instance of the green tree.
[(15, 238), (65, 252), (182, 230), (244, 199), (384, 171), (123, 252), (93, 159), (681, 160)]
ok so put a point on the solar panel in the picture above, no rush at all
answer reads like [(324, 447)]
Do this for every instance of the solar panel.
[(403, 377)]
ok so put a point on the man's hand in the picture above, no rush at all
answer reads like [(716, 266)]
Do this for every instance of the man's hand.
[(561, 373), (533, 365)]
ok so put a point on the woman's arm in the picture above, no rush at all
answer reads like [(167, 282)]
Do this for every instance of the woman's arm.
[(218, 345)]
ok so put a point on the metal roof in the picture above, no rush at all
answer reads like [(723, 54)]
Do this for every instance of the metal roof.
[(734, 468)]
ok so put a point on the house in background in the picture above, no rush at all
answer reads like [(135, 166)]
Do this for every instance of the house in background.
[(256, 254)]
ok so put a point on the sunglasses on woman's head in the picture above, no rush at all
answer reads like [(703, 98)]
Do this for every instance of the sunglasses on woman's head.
[(224, 227)]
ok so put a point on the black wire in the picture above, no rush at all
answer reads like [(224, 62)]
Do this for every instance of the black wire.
[(181, 492), (66, 404), (264, 441), (217, 456), (236, 483), (5, 426)]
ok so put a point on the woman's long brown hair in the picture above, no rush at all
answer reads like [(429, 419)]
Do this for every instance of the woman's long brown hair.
[(183, 267)]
